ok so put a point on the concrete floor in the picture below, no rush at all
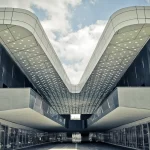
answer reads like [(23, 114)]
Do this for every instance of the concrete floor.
[(88, 146)]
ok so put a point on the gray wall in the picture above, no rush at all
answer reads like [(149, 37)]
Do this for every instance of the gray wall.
[(14, 98), (135, 97)]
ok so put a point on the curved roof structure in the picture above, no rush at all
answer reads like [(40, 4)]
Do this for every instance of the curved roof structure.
[(126, 33)]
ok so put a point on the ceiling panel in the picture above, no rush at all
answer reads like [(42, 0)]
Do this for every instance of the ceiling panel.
[(119, 54)]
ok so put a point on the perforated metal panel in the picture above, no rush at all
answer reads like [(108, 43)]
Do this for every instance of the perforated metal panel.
[(123, 38)]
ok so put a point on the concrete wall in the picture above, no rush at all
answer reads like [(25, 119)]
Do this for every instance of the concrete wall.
[(134, 97), (14, 98)]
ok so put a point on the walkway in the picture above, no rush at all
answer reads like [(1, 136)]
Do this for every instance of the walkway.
[(88, 146)]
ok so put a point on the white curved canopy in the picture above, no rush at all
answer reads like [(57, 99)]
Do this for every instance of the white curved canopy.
[(126, 33)]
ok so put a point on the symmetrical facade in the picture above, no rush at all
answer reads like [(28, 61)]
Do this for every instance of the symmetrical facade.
[(34, 84), (119, 44)]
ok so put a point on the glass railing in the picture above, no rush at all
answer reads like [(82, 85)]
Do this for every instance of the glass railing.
[(17, 138), (110, 103), (41, 106), (136, 137)]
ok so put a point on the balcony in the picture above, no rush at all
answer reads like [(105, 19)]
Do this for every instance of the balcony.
[(24, 106), (124, 105)]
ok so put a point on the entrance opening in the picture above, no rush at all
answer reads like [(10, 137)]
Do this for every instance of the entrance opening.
[(76, 137), (75, 117)]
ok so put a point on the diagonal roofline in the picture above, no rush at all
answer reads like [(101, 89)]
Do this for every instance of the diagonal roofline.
[(132, 16), (111, 28)]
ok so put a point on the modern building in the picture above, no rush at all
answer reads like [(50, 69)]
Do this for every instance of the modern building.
[(112, 97)]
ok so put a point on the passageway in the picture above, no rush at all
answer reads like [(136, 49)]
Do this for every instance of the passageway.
[(85, 146)]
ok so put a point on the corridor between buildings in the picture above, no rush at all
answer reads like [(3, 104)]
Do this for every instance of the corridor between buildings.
[(83, 146)]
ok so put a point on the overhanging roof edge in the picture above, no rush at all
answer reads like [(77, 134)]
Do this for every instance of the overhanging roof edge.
[(111, 28)]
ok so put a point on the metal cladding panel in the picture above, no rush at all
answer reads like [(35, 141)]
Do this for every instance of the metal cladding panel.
[(138, 74), (134, 97), (133, 104), (10, 74), (110, 104), (14, 98), (25, 40), (21, 99)]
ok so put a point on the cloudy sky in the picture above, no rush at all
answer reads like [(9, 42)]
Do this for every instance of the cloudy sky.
[(73, 26)]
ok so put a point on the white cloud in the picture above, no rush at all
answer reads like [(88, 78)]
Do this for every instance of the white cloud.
[(80, 26), (93, 2), (148, 1), (25, 4), (57, 11), (76, 48), (73, 48)]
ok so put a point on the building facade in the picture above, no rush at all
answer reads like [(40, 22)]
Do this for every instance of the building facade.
[(112, 97)]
